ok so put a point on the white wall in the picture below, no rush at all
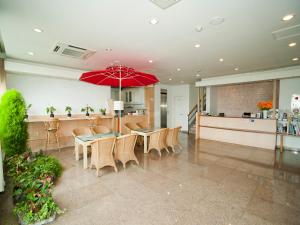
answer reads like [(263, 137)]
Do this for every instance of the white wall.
[(50, 91), (287, 88), (193, 96)]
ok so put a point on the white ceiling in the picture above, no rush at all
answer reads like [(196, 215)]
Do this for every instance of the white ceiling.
[(244, 40)]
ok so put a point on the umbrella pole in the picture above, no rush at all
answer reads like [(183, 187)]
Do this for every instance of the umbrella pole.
[(120, 120)]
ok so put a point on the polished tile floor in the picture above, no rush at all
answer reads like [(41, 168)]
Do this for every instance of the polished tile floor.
[(206, 183)]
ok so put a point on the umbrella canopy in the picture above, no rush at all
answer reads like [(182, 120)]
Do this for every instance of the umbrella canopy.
[(119, 76)]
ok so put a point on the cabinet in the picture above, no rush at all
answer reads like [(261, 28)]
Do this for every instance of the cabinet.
[(133, 95)]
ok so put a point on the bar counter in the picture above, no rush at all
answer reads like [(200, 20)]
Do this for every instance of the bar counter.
[(253, 132), (38, 134)]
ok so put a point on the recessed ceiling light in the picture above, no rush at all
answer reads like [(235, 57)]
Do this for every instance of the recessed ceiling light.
[(170, 78), (154, 21), (236, 69), (295, 59), (108, 49), (221, 59), (150, 61), (197, 45), (178, 69), (38, 30), (288, 17), (292, 44), (217, 20), (30, 53), (198, 28), (197, 75)]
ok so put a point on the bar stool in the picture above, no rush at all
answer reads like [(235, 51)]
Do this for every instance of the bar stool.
[(95, 121), (52, 127)]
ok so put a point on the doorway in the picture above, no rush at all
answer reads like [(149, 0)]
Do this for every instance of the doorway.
[(163, 108), (179, 116)]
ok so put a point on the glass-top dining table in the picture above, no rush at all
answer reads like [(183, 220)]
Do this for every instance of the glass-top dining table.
[(85, 141), (145, 133)]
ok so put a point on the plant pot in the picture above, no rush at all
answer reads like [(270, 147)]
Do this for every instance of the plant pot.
[(265, 114), (51, 115), (46, 221), (87, 114), (69, 114)]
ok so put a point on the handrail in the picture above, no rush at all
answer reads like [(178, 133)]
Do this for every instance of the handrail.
[(193, 109), (192, 117)]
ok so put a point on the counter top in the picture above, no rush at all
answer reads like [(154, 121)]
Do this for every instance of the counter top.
[(38, 118), (236, 117)]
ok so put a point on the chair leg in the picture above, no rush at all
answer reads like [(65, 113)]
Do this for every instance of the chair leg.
[(47, 139), (173, 149), (116, 169), (159, 152), (137, 162), (57, 141), (167, 150), (97, 172)]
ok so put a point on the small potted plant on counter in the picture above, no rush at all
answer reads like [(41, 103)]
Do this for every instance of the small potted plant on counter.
[(68, 110), (87, 110), (103, 112), (50, 110), (27, 108)]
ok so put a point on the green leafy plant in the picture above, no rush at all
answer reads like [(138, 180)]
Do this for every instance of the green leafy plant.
[(50, 110), (103, 111), (33, 176), (87, 110), (13, 128), (68, 109)]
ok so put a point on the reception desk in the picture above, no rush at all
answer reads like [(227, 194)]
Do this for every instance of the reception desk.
[(38, 134), (259, 133)]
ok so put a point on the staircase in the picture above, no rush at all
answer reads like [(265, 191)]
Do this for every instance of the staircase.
[(192, 120)]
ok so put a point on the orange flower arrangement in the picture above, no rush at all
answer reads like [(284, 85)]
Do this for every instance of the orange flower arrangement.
[(265, 105)]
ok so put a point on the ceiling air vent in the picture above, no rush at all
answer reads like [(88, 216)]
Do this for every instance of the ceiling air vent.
[(72, 51), (164, 4)]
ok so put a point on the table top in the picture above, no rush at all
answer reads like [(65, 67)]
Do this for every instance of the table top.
[(87, 138)]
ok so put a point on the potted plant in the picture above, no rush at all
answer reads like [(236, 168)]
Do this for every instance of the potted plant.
[(51, 110), (68, 110), (265, 107), (103, 112), (87, 110), (26, 112)]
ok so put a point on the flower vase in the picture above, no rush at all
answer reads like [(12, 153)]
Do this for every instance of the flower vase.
[(265, 114)]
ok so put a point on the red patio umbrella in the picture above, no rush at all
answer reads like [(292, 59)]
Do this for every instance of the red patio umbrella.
[(119, 76)]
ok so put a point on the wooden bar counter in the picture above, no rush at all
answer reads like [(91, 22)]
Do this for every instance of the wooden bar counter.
[(253, 132), (38, 134)]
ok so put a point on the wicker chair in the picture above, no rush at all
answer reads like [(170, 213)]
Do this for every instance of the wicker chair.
[(143, 125), (176, 137), (100, 130), (157, 141), (133, 126), (102, 153), (95, 121), (82, 131), (124, 150), (78, 132), (52, 127)]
